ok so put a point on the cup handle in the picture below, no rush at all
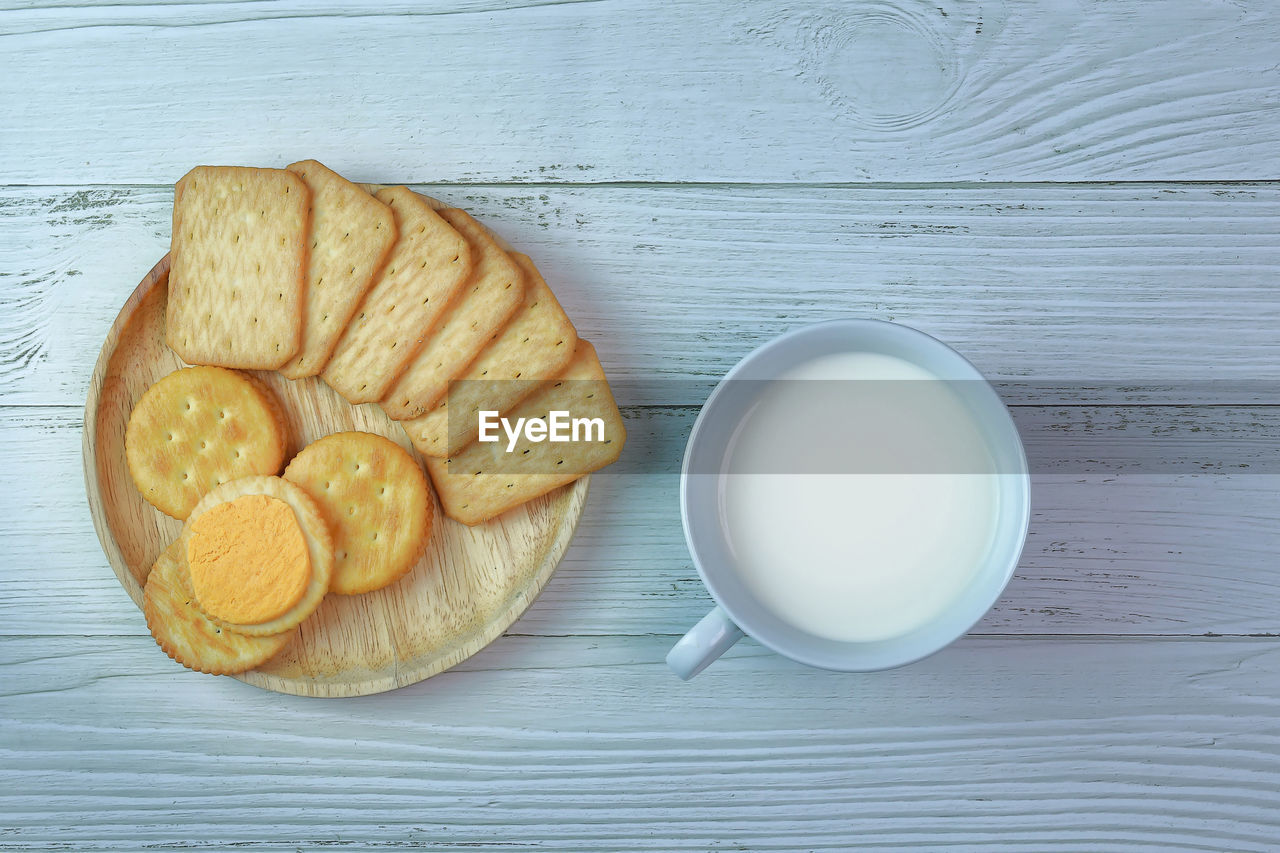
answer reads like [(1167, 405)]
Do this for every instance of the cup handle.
[(705, 642)]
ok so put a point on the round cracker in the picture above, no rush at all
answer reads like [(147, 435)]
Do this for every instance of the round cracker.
[(199, 427), (190, 637), (277, 411), (377, 502), (314, 529), (247, 559)]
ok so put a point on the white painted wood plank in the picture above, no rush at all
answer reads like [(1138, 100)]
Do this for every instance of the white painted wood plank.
[(1168, 286), (1112, 550), (902, 90), (592, 744)]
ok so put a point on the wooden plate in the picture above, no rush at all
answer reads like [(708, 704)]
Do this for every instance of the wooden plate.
[(470, 586)]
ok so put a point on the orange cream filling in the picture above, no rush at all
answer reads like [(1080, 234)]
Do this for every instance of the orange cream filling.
[(248, 560)]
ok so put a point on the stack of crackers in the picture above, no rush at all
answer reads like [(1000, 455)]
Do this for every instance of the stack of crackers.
[(390, 298)]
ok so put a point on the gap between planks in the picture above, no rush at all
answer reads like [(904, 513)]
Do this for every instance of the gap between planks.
[(736, 185), (1001, 636)]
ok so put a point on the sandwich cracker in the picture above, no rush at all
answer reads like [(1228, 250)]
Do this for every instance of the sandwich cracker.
[(315, 533)]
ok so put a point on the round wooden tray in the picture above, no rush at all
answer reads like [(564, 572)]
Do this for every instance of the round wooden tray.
[(472, 583)]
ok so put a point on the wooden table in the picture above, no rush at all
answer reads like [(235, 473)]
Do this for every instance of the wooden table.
[(1081, 193)]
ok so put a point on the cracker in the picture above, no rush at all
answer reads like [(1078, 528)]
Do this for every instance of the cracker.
[(536, 345), (484, 480), (199, 427), (238, 263), (315, 531), (247, 559), (351, 237), (190, 637), (488, 300), (377, 502), (427, 268)]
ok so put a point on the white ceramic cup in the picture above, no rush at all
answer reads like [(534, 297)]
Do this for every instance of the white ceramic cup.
[(737, 611)]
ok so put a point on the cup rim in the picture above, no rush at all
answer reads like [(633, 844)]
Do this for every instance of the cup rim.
[(853, 325)]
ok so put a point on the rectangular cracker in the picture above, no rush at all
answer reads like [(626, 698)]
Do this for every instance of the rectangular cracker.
[(238, 263), (428, 266), (351, 237), (535, 345), (488, 300), (484, 480)]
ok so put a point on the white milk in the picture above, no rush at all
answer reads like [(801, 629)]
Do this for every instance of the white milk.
[(858, 556)]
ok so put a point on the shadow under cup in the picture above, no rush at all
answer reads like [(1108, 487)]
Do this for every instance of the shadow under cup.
[(709, 443)]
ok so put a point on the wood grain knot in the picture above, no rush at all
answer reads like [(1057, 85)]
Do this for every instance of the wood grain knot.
[(889, 65)]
